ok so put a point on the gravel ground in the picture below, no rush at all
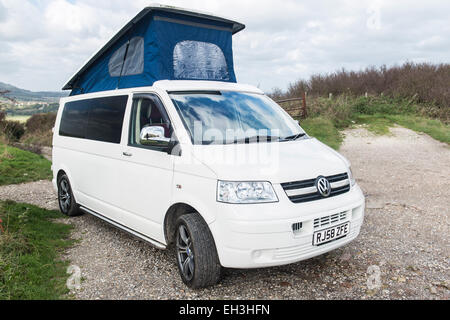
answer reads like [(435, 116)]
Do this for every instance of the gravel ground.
[(404, 239)]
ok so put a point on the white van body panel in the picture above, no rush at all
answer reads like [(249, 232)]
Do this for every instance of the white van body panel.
[(137, 191), (188, 85), (277, 163)]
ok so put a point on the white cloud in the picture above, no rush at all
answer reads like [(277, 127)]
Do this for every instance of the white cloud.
[(45, 41)]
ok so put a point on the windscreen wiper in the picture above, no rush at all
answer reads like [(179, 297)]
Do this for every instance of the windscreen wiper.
[(294, 137)]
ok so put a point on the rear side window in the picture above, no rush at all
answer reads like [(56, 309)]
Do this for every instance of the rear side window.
[(74, 119), (106, 119), (99, 119)]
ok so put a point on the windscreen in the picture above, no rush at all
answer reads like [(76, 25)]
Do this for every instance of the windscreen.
[(233, 117)]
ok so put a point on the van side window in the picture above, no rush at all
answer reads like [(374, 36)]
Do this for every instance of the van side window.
[(99, 119), (148, 112), (106, 119), (74, 119)]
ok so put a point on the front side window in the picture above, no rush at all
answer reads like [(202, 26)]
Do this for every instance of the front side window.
[(233, 117), (150, 125)]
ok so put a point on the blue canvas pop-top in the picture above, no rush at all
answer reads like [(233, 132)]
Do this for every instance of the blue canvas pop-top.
[(161, 43)]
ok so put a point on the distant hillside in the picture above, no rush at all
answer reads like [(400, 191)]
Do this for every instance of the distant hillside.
[(26, 95)]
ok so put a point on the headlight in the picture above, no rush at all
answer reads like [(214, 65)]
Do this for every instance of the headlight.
[(245, 192), (350, 177)]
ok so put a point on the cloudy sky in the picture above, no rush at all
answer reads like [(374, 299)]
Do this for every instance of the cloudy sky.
[(43, 42)]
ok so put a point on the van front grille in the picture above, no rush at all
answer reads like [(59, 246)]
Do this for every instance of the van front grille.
[(329, 220), (306, 190)]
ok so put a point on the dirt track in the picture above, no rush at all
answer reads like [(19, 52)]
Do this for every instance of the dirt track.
[(405, 237)]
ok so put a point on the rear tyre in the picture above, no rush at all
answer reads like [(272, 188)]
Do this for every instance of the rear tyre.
[(196, 253), (66, 200)]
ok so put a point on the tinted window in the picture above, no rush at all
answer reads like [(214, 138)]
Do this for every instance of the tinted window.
[(95, 119), (106, 119), (74, 119)]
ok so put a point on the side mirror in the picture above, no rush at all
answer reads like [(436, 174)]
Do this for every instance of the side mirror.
[(153, 136)]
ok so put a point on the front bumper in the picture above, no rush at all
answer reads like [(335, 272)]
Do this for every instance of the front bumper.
[(261, 235)]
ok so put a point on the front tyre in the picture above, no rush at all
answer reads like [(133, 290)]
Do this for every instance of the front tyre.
[(66, 200), (196, 252)]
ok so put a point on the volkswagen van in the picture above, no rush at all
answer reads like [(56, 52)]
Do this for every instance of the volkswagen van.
[(216, 172)]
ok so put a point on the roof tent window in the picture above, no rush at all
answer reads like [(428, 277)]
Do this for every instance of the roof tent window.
[(199, 60), (134, 62)]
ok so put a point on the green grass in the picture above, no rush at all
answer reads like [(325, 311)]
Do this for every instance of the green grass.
[(380, 123), (30, 249), (328, 116), (329, 133), (18, 166), (433, 127), (324, 130)]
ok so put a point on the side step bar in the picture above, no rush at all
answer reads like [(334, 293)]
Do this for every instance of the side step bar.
[(138, 235)]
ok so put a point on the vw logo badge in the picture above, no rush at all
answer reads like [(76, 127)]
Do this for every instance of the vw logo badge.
[(323, 186)]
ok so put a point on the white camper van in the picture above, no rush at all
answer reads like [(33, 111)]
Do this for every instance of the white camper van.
[(214, 170)]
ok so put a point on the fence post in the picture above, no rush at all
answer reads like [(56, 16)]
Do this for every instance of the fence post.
[(304, 104)]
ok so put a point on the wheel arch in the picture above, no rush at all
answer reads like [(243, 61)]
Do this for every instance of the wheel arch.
[(63, 170), (173, 213)]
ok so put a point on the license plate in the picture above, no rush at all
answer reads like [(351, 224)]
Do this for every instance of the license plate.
[(331, 234)]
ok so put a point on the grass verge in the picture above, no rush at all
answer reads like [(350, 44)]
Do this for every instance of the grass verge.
[(324, 130), (328, 116), (328, 132), (380, 123), (30, 248), (18, 166)]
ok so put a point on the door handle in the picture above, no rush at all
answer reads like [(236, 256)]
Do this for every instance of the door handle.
[(127, 154)]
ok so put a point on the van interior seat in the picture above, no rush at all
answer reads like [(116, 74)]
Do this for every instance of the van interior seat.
[(155, 118)]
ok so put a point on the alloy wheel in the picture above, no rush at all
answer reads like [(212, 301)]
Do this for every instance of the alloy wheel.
[(64, 195), (186, 259)]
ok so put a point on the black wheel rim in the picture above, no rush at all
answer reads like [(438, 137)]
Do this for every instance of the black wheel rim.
[(186, 259), (64, 195)]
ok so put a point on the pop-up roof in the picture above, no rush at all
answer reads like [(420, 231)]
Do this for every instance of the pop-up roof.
[(161, 43)]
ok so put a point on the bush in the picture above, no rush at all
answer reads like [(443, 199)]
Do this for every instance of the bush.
[(339, 110), (13, 130), (39, 129), (423, 87), (40, 122)]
